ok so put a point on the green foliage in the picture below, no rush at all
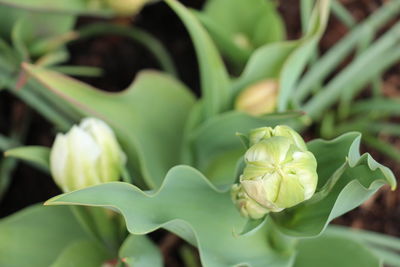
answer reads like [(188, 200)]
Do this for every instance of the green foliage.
[(137, 125), (197, 217), (242, 27)]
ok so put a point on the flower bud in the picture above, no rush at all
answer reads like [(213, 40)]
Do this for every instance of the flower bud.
[(126, 8), (247, 206), (279, 172), (258, 99), (88, 154), (263, 133)]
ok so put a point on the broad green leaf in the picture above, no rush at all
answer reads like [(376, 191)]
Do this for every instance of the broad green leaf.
[(82, 253), (71, 7), (36, 236), (242, 26), (138, 124), (214, 77), (188, 205), (385, 247), (36, 155), (350, 185), (330, 250), (35, 25), (139, 251), (216, 147)]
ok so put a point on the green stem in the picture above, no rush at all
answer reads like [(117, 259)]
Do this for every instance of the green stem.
[(188, 256), (354, 77), (279, 241), (42, 107), (342, 13), (343, 48), (142, 37)]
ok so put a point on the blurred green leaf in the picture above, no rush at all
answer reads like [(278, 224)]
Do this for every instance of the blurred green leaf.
[(7, 166), (348, 185), (140, 251), (188, 205), (70, 7), (213, 74), (35, 236), (82, 253), (37, 155), (388, 106), (384, 246), (343, 14), (294, 65), (138, 125), (331, 251), (242, 26), (332, 58), (285, 61)]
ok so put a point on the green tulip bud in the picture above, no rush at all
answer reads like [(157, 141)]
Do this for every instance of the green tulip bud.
[(259, 98), (126, 8), (247, 206), (263, 133), (279, 174), (88, 154)]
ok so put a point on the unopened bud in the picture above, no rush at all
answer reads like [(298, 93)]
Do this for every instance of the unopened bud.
[(88, 154), (279, 173), (259, 98), (247, 206)]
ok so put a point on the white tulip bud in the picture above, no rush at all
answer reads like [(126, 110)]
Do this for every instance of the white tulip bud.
[(88, 154)]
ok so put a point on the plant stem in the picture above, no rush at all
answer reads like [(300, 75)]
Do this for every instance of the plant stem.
[(279, 241)]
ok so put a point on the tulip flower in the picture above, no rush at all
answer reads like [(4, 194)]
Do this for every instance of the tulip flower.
[(279, 172), (88, 154)]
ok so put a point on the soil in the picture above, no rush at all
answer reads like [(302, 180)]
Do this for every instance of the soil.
[(122, 59)]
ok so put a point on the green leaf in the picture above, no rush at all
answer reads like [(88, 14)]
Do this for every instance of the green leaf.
[(331, 251), (242, 26), (384, 246), (214, 77), (7, 167), (82, 253), (216, 147), (348, 186), (188, 205), (377, 106), (285, 61), (34, 26), (37, 155), (36, 235), (151, 135), (296, 62), (139, 251), (321, 69), (71, 7)]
